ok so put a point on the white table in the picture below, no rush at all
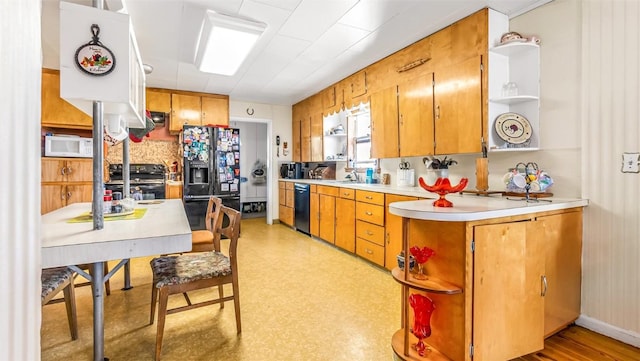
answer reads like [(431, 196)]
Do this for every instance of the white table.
[(163, 229)]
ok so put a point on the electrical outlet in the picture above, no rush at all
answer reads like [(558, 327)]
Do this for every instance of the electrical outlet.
[(630, 162)]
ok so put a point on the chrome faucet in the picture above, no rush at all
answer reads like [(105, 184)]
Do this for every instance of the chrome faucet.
[(353, 176)]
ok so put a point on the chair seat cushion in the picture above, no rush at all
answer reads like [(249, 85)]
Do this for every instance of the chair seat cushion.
[(173, 270), (52, 278)]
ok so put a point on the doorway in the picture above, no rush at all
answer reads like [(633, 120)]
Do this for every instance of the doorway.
[(256, 167)]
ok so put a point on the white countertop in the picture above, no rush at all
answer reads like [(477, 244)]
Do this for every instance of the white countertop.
[(466, 207), (469, 207), (164, 228)]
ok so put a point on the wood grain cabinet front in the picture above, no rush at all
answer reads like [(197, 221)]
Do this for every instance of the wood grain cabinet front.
[(57, 112), (65, 181)]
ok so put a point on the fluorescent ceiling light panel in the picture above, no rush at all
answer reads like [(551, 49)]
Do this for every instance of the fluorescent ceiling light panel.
[(225, 42)]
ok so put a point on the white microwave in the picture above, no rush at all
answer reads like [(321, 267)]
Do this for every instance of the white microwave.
[(68, 146)]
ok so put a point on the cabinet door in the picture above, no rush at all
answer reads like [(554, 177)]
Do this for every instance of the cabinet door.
[(393, 231), (508, 306), (78, 193), (215, 111), (57, 112), (327, 217), (79, 170), (185, 110), (295, 140), (345, 224), (415, 103), (158, 101), (562, 234), (52, 198), (384, 123), (458, 109), (53, 169), (305, 139), (314, 214), (316, 137), (358, 84)]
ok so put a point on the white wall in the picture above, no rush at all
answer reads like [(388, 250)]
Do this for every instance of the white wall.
[(20, 69), (253, 147), (610, 71)]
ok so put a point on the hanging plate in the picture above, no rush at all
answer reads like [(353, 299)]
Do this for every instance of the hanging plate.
[(513, 128), (93, 57)]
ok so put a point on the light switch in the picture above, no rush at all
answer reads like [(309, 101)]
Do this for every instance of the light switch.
[(630, 162)]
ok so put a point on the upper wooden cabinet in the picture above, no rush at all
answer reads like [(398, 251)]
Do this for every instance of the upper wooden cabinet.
[(415, 116), (185, 110), (198, 109), (158, 100), (316, 138), (458, 108), (215, 110), (384, 123), (355, 89), (57, 112), (427, 98)]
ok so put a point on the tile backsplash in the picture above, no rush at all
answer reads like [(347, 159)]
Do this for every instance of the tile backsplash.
[(147, 151)]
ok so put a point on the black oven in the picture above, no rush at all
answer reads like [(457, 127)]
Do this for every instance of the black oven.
[(149, 179)]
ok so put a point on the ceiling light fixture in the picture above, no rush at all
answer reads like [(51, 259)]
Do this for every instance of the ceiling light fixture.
[(225, 42)]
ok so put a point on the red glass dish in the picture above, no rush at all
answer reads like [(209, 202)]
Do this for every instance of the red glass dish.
[(443, 187)]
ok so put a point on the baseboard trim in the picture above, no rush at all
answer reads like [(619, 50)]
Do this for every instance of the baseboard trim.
[(626, 336)]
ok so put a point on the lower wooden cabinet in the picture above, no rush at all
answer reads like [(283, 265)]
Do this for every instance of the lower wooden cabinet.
[(500, 285), (65, 181), (174, 191), (285, 196), (327, 206), (346, 220), (393, 231)]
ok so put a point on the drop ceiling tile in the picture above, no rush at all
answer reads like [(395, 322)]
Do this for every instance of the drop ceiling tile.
[(282, 4), (332, 43), (371, 14), (313, 17)]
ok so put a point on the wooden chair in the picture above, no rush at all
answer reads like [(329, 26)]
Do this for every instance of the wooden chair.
[(202, 240), (193, 271), (59, 279)]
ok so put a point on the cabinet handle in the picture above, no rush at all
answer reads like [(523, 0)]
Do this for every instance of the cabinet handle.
[(369, 233), (437, 112), (368, 251), (401, 120), (368, 213), (62, 196), (368, 197), (63, 171), (69, 170), (544, 286), (387, 238), (68, 195)]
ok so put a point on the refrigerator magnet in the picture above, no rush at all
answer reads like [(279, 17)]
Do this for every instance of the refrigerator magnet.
[(234, 187), (224, 187)]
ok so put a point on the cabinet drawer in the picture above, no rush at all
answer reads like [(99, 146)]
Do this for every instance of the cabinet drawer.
[(289, 198), (330, 191), (370, 212), (370, 232), (281, 185), (282, 197), (371, 252), (347, 193), (370, 197), (313, 188), (288, 185)]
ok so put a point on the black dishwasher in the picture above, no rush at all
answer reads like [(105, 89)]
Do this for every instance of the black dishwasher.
[(302, 199)]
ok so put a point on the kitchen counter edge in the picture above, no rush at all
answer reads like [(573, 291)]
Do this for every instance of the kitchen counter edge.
[(465, 207)]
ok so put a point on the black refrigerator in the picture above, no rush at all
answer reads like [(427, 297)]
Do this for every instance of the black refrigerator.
[(211, 167)]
